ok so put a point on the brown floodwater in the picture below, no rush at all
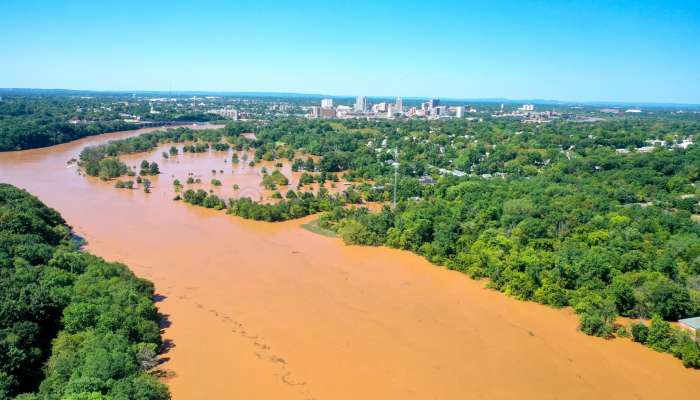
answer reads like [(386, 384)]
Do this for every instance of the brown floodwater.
[(271, 311), (207, 166)]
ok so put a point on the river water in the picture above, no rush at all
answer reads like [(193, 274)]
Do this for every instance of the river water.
[(271, 311)]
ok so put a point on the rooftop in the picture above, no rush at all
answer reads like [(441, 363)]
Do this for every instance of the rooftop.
[(691, 322)]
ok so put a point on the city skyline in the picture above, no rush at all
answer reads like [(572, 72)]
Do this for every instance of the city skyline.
[(269, 94)]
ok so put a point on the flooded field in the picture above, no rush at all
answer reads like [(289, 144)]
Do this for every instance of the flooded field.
[(271, 311), (235, 179)]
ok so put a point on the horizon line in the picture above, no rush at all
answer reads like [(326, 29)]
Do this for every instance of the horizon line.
[(343, 96)]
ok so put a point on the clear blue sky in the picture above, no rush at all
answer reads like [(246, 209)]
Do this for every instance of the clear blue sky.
[(641, 51)]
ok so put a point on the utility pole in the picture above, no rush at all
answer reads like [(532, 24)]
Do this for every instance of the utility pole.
[(396, 172)]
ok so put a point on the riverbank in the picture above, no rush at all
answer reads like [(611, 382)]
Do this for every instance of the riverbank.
[(259, 310)]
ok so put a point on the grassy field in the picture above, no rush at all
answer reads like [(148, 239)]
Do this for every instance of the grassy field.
[(312, 226)]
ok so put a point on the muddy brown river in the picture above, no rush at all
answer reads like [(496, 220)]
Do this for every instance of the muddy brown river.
[(271, 311)]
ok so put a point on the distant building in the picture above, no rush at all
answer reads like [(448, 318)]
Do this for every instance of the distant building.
[(527, 107), (398, 107), (426, 180), (633, 111), (440, 111), (691, 325), (226, 113), (433, 103), (328, 113), (343, 111), (361, 104), (459, 112), (327, 103), (315, 112), (379, 107)]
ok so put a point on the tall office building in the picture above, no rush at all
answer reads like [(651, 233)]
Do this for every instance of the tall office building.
[(433, 103), (361, 104), (326, 103), (315, 112), (398, 107)]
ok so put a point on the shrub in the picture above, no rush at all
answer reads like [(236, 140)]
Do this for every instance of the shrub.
[(596, 315), (640, 332)]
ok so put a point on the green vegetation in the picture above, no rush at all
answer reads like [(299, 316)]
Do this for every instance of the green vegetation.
[(27, 123), (195, 148), (149, 168), (565, 214), (313, 226), (549, 213), (289, 208), (221, 146), (270, 182), (124, 184), (106, 168), (149, 141), (279, 178), (30, 118), (102, 160), (71, 325), (661, 337), (202, 198)]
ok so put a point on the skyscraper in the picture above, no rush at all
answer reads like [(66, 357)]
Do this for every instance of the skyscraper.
[(315, 112), (326, 103), (361, 104), (432, 103), (399, 105)]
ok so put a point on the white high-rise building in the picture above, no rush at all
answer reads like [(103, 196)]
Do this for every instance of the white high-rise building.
[(399, 105), (226, 113), (379, 107), (390, 111), (459, 112), (314, 112), (361, 104), (326, 103)]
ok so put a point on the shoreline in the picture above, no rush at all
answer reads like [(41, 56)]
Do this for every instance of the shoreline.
[(270, 310)]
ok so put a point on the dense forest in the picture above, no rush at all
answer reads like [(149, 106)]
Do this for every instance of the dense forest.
[(27, 123), (38, 121), (597, 216), (72, 326)]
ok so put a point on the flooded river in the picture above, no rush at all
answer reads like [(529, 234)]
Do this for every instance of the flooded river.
[(271, 311)]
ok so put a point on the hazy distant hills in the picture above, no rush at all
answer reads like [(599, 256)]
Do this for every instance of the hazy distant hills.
[(121, 93)]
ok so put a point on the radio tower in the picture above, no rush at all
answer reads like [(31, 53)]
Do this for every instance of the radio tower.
[(396, 172)]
